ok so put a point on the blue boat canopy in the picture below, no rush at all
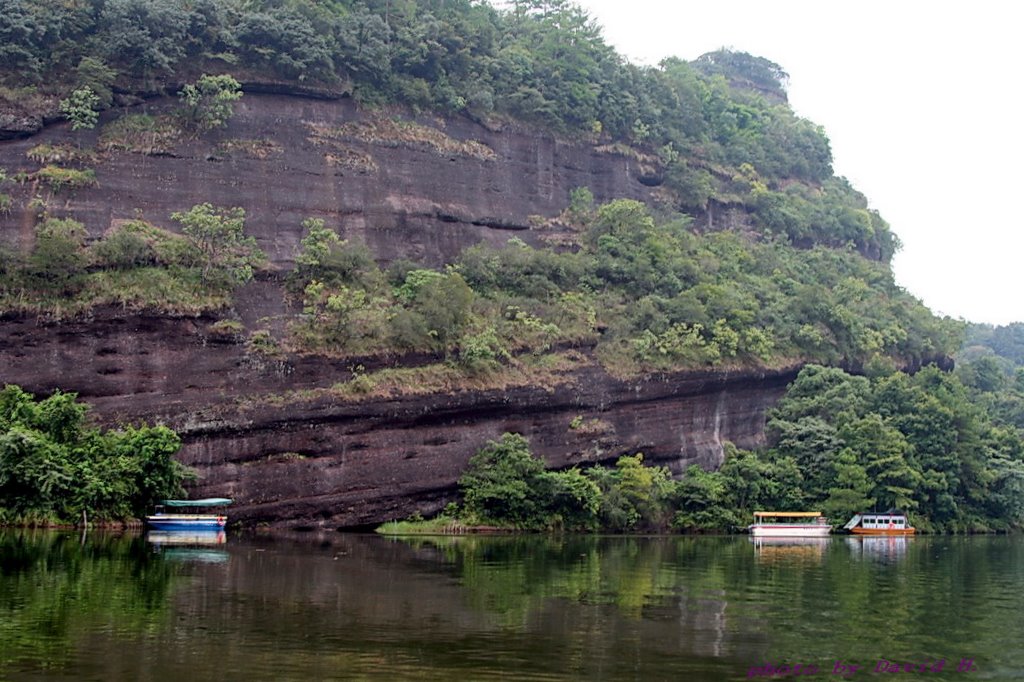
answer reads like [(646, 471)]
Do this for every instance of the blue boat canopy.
[(206, 502)]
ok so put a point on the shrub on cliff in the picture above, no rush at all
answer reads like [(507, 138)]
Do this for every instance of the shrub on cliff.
[(123, 248), (58, 258), (80, 108), (341, 318), (326, 257), (59, 179), (228, 256), (135, 265), (209, 102)]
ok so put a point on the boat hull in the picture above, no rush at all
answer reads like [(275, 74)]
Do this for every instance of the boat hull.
[(186, 522), (882, 531), (789, 530)]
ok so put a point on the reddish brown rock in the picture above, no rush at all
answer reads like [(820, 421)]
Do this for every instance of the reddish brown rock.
[(316, 460), (323, 461), (414, 202)]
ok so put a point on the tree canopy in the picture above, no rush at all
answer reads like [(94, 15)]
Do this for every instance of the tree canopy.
[(54, 466)]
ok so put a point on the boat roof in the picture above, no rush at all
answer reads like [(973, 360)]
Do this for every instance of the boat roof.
[(793, 514), (205, 502)]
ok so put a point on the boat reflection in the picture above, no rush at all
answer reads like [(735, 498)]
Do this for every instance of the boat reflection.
[(186, 538), (789, 548), (885, 549), (197, 546)]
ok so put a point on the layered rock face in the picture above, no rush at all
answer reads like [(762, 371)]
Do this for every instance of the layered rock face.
[(420, 190), (263, 430)]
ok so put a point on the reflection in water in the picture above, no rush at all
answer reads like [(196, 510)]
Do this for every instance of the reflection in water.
[(312, 607), (58, 590), (190, 545), (882, 548), (186, 537), (789, 549)]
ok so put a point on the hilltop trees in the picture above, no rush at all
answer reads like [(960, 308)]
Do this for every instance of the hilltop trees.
[(718, 128)]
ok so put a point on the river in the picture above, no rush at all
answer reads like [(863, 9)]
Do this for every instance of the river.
[(358, 607)]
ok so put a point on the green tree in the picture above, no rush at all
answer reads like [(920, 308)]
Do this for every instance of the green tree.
[(92, 73), (572, 500), (501, 483), (701, 503), (228, 256), (288, 40), (883, 451), (125, 248), (445, 304), (326, 257), (645, 489), (813, 442), (54, 466), (209, 102), (157, 475), (342, 317), (850, 490), (581, 205)]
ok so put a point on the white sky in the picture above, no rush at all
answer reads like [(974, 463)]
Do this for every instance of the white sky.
[(921, 102)]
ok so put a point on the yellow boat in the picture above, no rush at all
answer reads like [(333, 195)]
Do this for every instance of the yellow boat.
[(789, 524)]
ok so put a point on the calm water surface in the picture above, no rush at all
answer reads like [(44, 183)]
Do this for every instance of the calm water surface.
[(351, 607)]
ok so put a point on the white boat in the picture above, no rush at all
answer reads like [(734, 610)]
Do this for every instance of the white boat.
[(789, 524), (891, 522), (189, 521)]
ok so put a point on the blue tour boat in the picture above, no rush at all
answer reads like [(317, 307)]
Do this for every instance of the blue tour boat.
[(188, 517)]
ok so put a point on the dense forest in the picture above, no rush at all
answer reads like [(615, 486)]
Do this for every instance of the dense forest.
[(991, 363), (637, 285), (57, 468)]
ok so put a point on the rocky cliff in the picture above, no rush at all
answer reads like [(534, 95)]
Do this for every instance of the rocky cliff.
[(266, 430)]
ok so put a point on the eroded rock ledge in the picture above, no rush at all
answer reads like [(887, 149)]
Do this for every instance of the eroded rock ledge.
[(272, 435)]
